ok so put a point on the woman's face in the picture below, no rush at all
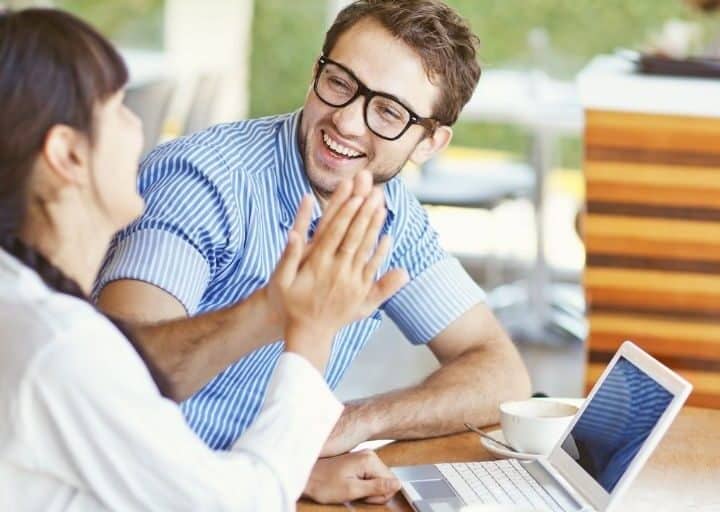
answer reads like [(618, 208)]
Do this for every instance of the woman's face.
[(115, 156)]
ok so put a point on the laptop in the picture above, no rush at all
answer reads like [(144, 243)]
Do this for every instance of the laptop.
[(603, 449)]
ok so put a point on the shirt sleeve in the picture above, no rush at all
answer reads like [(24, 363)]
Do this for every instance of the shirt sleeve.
[(93, 415), (440, 290), (191, 226)]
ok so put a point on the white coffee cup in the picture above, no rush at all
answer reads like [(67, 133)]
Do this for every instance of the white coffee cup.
[(535, 425)]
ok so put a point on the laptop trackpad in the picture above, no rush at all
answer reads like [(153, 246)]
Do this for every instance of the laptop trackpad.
[(433, 489), (442, 506)]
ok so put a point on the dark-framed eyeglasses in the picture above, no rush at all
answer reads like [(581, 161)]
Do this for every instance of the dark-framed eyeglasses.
[(384, 114)]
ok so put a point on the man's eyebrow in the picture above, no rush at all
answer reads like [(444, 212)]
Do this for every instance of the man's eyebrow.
[(404, 101)]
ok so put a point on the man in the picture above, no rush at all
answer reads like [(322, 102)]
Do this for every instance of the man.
[(391, 81)]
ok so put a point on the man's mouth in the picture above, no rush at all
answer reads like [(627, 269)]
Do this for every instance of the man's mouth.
[(338, 149)]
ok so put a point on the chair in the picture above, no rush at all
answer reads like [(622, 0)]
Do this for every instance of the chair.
[(200, 114), (484, 187), (534, 308), (151, 101)]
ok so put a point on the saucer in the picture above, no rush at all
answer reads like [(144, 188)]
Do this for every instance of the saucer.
[(501, 451)]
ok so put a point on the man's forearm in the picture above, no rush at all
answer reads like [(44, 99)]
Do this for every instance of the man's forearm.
[(189, 352), (470, 388)]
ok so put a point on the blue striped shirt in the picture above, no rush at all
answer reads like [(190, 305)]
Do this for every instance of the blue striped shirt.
[(219, 205)]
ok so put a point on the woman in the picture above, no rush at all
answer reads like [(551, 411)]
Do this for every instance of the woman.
[(84, 426)]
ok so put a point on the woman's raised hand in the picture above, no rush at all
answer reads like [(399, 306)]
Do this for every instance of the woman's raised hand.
[(327, 283)]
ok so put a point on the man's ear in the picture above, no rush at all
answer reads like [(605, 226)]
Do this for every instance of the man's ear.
[(67, 153), (432, 145)]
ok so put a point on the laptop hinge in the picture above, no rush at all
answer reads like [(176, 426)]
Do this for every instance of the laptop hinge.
[(561, 491)]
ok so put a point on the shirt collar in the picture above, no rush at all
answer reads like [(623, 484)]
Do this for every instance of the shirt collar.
[(293, 183)]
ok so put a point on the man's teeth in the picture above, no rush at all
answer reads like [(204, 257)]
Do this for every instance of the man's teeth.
[(338, 148)]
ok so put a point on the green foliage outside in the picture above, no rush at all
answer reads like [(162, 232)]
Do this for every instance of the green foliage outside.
[(287, 37), (130, 23)]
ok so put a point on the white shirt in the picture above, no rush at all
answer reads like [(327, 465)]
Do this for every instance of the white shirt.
[(83, 426)]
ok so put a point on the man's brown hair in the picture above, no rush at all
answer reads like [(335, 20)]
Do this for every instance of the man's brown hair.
[(436, 32), (705, 5)]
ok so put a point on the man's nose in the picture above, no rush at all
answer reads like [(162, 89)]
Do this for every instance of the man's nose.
[(349, 120)]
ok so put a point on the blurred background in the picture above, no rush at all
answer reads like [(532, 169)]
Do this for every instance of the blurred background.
[(505, 197), (286, 36)]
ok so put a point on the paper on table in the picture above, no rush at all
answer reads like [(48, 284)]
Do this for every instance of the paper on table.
[(372, 445)]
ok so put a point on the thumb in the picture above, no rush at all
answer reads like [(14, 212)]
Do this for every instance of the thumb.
[(360, 489), (386, 287)]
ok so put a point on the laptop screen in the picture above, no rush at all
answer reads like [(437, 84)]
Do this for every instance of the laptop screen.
[(616, 423)]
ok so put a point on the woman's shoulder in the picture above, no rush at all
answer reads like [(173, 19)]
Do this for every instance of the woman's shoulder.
[(61, 357), (35, 330), (30, 325), (35, 318)]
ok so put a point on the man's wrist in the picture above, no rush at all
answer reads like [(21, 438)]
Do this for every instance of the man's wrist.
[(312, 483), (361, 414)]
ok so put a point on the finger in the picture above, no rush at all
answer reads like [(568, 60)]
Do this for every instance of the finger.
[(342, 193), (374, 467), (362, 184), (370, 238), (373, 264), (303, 217), (372, 487), (302, 221), (387, 286), (378, 500), (381, 500), (326, 244), (356, 233), (290, 260)]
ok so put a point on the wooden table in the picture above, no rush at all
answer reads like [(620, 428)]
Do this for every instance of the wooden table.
[(683, 474)]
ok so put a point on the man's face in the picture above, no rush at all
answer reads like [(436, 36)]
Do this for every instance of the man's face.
[(383, 64)]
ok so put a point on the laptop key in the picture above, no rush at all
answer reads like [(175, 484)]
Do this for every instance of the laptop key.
[(454, 476), (503, 482)]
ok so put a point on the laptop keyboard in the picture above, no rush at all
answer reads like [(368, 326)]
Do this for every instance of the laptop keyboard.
[(503, 482)]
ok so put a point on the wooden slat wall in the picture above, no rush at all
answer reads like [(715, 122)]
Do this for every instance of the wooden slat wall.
[(652, 234)]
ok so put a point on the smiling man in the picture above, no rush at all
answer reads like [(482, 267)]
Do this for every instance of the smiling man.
[(391, 80)]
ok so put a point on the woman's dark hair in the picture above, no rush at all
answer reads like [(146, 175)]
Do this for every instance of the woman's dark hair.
[(54, 70)]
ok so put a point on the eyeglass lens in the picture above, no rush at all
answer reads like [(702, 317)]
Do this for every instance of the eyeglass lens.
[(384, 116)]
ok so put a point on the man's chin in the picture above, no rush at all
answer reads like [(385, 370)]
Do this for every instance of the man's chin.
[(323, 188), (325, 181)]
